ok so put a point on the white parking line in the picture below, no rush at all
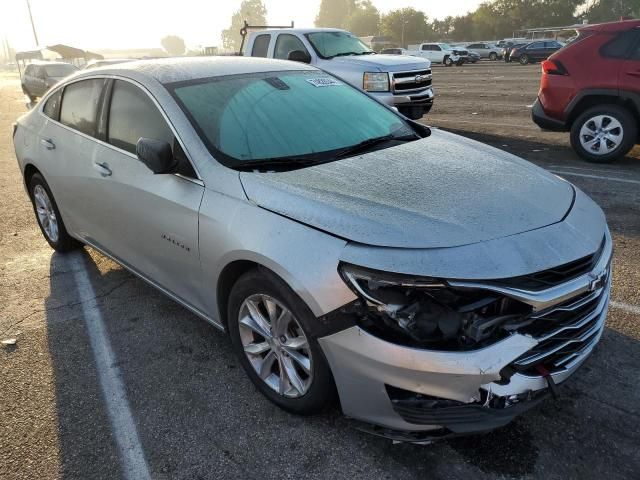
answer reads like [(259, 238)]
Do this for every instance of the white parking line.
[(134, 465), (588, 169), (626, 307), (599, 177)]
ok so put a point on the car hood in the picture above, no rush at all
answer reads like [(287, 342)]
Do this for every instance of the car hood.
[(442, 191), (386, 63)]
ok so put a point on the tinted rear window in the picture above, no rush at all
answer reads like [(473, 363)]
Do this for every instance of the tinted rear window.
[(621, 45), (261, 46), (59, 70), (52, 108), (80, 105)]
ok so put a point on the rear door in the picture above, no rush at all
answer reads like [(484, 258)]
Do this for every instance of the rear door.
[(148, 221), (68, 148), (629, 76), (536, 51)]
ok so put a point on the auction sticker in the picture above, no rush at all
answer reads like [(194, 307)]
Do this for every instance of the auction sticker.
[(324, 82)]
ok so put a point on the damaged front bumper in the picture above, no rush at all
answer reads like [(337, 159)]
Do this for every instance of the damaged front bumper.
[(415, 395)]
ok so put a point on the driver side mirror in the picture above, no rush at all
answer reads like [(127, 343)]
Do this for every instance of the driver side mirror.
[(156, 155), (299, 56)]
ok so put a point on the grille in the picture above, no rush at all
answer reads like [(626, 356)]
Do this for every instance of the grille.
[(565, 332), (554, 276), (415, 80)]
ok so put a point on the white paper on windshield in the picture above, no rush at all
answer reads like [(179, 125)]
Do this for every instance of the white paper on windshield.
[(324, 82)]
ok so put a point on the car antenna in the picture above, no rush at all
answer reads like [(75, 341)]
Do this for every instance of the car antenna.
[(245, 29)]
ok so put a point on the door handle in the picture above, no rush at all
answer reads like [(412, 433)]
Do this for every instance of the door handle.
[(48, 143), (103, 168)]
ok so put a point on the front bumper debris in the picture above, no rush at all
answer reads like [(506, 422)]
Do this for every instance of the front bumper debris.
[(416, 395)]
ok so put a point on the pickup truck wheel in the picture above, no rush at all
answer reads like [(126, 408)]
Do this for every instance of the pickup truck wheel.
[(604, 133), (447, 61), (48, 216), (493, 56), (523, 59), (270, 330)]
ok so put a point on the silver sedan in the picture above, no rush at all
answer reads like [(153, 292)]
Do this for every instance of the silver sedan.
[(437, 285)]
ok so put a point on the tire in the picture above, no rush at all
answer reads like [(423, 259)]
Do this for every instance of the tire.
[(316, 390), (618, 129), (414, 113), (523, 59), (447, 61), (493, 56), (46, 211)]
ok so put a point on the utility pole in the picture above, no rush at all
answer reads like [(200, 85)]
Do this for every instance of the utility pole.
[(35, 35)]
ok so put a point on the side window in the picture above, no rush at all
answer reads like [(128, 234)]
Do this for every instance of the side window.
[(535, 45), (261, 46), (29, 70), (287, 43), (133, 115), (473, 45), (621, 45), (436, 48), (426, 47), (52, 108), (80, 104)]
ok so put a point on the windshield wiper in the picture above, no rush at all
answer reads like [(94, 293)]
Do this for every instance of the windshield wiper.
[(279, 164), (372, 142)]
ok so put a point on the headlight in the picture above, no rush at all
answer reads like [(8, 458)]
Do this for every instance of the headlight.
[(375, 82), (426, 312)]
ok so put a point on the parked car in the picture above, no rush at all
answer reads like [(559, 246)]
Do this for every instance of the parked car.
[(534, 51), (486, 50), (105, 62), (591, 89), (440, 53), (393, 51), (473, 57), (340, 245), (506, 50), (39, 77), (400, 81)]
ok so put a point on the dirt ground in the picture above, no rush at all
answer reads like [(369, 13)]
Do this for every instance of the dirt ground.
[(197, 414)]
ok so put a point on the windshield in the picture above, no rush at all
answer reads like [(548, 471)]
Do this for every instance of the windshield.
[(59, 70), (334, 44), (293, 116)]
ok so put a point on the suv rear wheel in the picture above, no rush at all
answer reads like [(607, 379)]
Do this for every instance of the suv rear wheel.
[(604, 133), (523, 59), (493, 56)]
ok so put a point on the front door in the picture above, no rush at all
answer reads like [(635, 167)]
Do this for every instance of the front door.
[(150, 220)]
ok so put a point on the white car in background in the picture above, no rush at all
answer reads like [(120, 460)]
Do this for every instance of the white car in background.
[(439, 53), (486, 50)]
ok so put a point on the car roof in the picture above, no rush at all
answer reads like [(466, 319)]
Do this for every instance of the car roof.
[(613, 26), (179, 69)]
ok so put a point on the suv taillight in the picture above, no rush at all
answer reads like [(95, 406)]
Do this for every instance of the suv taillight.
[(554, 67)]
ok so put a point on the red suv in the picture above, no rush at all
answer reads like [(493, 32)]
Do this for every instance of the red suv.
[(591, 88)]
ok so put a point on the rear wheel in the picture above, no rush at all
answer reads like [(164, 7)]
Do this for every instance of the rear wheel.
[(604, 133), (270, 332), (48, 216), (523, 59), (493, 56)]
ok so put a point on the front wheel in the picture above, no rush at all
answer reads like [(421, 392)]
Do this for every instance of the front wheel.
[(493, 56), (270, 332), (523, 59), (48, 216), (604, 133), (447, 61)]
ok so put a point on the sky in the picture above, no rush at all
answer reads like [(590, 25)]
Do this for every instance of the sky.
[(118, 24)]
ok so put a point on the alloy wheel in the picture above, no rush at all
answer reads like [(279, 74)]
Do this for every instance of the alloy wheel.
[(601, 134), (46, 213), (275, 345)]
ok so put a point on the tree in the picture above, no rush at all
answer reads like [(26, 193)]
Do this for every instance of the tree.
[(334, 13), (254, 12), (364, 19), (405, 25), (173, 45), (597, 11)]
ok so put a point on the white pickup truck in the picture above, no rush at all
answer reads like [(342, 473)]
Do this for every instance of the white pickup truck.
[(439, 53), (399, 81)]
